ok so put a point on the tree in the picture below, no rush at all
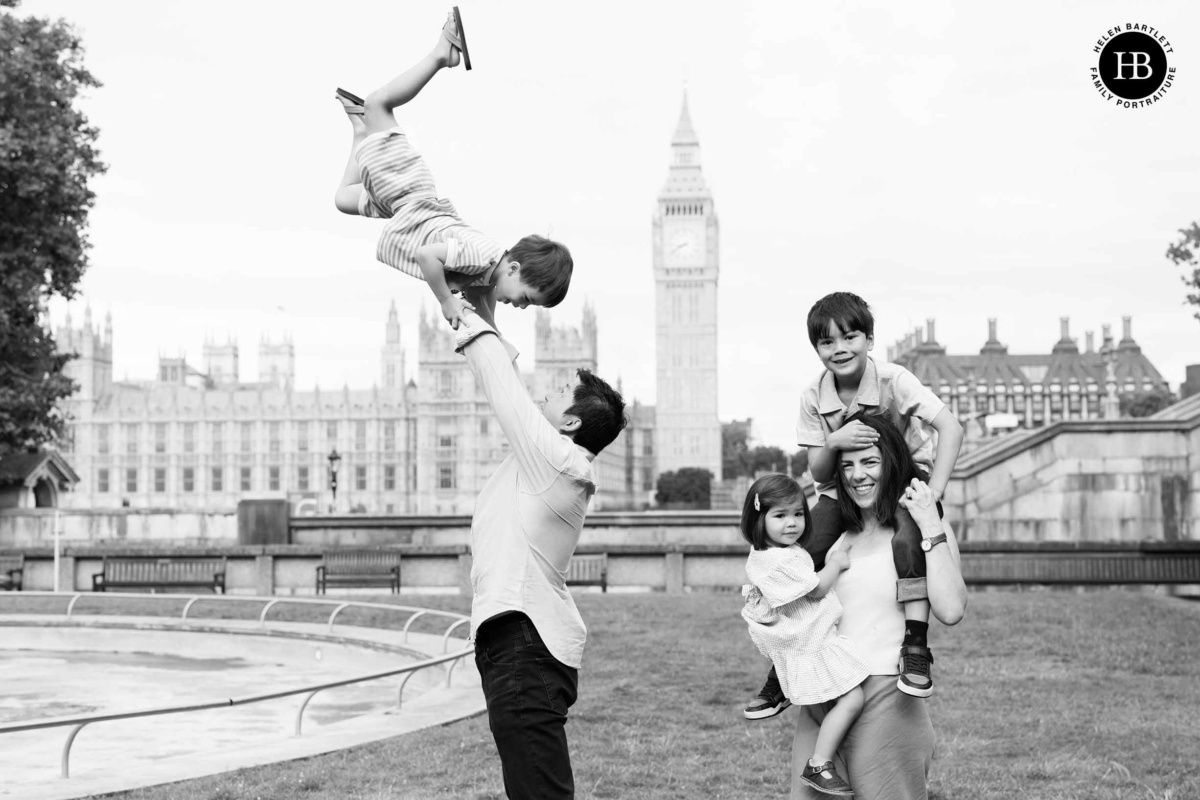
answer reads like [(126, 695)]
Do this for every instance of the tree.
[(739, 459), (688, 486), (47, 159), (735, 444), (1143, 404), (1186, 253)]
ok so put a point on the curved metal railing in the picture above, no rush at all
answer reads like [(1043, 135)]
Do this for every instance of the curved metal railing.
[(77, 723)]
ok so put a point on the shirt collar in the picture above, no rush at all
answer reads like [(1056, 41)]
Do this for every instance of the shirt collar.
[(868, 391)]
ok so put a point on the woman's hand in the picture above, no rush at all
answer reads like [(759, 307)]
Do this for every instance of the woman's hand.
[(838, 559), (919, 501)]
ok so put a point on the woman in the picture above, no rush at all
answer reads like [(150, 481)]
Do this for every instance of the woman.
[(887, 752)]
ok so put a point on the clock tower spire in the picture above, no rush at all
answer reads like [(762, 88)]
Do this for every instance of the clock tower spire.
[(685, 242)]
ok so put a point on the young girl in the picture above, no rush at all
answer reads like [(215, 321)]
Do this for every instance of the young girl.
[(793, 613), (423, 235)]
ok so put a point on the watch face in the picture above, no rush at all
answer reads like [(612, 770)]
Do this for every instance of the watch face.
[(683, 247)]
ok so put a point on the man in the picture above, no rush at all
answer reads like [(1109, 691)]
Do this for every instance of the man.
[(528, 634)]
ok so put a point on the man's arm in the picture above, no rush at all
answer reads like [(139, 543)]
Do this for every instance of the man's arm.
[(431, 258), (539, 449), (950, 436)]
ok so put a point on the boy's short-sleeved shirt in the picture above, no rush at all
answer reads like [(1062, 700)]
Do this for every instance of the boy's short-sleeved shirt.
[(887, 389), (398, 187)]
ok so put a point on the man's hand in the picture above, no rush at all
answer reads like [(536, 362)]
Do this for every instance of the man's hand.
[(855, 436), (453, 309)]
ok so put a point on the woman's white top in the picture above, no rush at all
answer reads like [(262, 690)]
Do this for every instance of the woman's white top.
[(871, 618), (797, 632)]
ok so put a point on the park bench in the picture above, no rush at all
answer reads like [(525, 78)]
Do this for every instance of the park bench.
[(12, 570), (359, 567), (154, 573), (589, 570)]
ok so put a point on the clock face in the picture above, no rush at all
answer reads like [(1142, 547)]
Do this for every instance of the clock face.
[(683, 247)]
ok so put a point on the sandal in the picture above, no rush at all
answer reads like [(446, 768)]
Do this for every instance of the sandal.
[(357, 102), (458, 37)]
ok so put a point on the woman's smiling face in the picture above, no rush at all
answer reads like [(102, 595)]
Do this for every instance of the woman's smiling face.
[(862, 470)]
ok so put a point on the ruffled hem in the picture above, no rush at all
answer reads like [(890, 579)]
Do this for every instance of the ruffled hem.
[(812, 678)]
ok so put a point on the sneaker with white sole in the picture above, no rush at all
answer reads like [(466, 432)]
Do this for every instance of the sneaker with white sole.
[(916, 671), (770, 700)]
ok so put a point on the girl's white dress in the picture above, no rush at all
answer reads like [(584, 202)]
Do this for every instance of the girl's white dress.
[(798, 633)]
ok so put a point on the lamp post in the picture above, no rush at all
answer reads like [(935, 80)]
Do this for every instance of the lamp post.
[(334, 462)]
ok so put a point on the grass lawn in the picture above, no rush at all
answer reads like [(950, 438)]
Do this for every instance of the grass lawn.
[(1040, 694)]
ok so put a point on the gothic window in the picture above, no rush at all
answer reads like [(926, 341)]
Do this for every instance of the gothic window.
[(218, 432), (273, 436), (331, 432), (160, 479), (446, 476), (131, 480), (302, 479), (389, 477), (160, 437), (389, 436), (244, 476), (302, 437), (131, 437), (218, 483), (360, 435), (247, 429), (390, 381), (189, 479), (189, 437), (360, 478), (102, 481), (102, 433), (273, 479), (445, 383)]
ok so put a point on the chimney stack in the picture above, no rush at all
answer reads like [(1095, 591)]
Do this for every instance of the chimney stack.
[(929, 328), (1088, 337)]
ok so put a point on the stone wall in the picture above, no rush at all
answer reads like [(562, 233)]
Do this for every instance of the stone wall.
[(1120, 481)]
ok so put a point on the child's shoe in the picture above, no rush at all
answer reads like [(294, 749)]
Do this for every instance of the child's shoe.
[(916, 671), (770, 701), (824, 778)]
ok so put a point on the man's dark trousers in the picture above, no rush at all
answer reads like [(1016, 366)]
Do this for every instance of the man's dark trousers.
[(528, 692)]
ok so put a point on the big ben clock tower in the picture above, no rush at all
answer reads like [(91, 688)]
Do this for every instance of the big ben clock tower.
[(688, 431)]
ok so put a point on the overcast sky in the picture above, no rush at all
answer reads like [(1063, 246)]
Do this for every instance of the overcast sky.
[(942, 160)]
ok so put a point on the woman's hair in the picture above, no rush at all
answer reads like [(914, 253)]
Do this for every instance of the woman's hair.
[(897, 469), (768, 492)]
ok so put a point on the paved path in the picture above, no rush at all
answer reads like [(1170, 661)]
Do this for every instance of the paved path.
[(112, 664)]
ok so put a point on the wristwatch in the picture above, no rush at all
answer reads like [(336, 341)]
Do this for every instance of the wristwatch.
[(932, 541)]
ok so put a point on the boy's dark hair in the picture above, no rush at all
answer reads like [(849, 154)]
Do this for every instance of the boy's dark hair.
[(771, 490), (546, 265), (601, 412), (847, 311), (897, 471)]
